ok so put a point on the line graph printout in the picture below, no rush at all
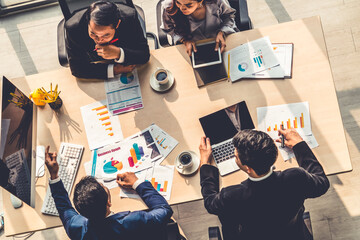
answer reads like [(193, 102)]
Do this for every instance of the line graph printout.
[(294, 115), (101, 128)]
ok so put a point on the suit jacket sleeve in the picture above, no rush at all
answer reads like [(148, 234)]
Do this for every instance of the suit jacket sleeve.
[(79, 62), (71, 220), (214, 201), (314, 182), (159, 210), (136, 50)]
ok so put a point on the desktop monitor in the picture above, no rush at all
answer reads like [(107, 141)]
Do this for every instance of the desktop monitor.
[(17, 143)]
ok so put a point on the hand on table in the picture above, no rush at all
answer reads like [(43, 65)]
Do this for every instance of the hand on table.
[(119, 68), (108, 51), (190, 46), (220, 39), (291, 137), (126, 180), (51, 163), (205, 151)]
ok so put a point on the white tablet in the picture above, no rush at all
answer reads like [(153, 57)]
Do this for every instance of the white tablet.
[(206, 55)]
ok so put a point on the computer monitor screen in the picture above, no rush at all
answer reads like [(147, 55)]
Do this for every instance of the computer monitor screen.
[(17, 165)]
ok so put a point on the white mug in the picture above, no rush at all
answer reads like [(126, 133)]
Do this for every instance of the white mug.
[(161, 75), (185, 160)]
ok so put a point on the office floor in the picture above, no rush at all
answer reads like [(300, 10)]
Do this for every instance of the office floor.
[(28, 46)]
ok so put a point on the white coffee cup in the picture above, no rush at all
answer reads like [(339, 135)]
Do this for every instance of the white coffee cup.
[(161, 75), (185, 160)]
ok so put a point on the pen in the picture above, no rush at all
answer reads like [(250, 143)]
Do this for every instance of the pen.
[(229, 66), (282, 137), (112, 41)]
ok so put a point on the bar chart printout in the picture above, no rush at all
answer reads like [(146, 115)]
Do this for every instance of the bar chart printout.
[(162, 179), (101, 128), (294, 115)]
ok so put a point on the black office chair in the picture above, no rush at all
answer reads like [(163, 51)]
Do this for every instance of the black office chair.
[(242, 20), (69, 7), (215, 232)]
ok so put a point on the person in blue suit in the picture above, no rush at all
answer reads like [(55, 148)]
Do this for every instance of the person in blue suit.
[(94, 220)]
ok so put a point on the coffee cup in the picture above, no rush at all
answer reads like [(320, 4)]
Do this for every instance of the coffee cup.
[(161, 76), (185, 160)]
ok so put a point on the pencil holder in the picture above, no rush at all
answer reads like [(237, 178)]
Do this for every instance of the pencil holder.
[(57, 104)]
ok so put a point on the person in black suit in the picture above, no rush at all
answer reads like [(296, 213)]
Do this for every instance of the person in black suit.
[(105, 40), (269, 204)]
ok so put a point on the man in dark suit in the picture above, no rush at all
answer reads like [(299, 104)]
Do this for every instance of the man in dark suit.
[(269, 204), (105, 40), (93, 201)]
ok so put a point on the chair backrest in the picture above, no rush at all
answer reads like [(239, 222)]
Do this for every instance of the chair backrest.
[(69, 7)]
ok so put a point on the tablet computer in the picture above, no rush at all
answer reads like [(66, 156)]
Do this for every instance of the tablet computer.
[(206, 55)]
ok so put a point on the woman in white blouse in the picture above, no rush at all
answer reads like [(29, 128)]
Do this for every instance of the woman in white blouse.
[(188, 21)]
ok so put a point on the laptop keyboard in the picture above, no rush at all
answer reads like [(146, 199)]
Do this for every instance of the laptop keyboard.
[(223, 152)]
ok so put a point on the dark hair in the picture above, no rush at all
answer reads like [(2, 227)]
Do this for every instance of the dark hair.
[(103, 13), (182, 25), (90, 198), (256, 149)]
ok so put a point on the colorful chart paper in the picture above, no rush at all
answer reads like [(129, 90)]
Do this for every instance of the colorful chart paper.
[(294, 115), (101, 128)]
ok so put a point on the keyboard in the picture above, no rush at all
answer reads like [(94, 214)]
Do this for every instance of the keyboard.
[(19, 174), (223, 152), (68, 158)]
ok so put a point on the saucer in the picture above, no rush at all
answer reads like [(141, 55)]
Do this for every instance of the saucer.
[(192, 169), (162, 88)]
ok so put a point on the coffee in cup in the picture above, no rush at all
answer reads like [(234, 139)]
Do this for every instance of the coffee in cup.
[(185, 160), (161, 76)]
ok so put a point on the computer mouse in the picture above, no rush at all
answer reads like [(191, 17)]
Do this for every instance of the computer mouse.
[(15, 201)]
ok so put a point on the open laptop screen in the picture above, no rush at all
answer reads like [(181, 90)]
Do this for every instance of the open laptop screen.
[(219, 127)]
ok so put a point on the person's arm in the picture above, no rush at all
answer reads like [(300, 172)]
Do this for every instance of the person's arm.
[(227, 15), (159, 210), (136, 50), (63, 205), (209, 180), (314, 182), (79, 60)]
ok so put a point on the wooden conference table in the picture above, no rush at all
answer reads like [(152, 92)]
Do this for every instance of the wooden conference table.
[(178, 111)]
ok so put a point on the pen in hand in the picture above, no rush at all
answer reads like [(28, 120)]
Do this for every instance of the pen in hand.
[(282, 137), (112, 41)]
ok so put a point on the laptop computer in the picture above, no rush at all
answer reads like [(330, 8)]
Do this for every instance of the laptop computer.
[(220, 129)]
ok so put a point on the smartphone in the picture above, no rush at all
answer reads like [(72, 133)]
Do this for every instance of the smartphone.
[(214, 233)]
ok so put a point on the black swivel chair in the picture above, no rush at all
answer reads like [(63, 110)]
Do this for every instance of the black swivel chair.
[(69, 7), (242, 20)]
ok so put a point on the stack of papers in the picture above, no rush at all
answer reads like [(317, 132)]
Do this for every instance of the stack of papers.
[(141, 153), (259, 59), (294, 115)]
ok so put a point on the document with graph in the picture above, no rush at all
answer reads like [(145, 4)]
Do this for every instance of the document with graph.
[(250, 58), (294, 115), (163, 141), (123, 93), (284, 54), (160, 177), (101, 128)]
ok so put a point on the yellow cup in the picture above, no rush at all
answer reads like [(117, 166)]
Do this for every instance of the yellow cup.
[(37, 96)]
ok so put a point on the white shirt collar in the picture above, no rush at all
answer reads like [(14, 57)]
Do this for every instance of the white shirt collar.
[(263, 177), (111, 213)]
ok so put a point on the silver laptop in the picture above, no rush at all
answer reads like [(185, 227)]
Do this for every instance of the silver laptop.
[(220, 129)]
